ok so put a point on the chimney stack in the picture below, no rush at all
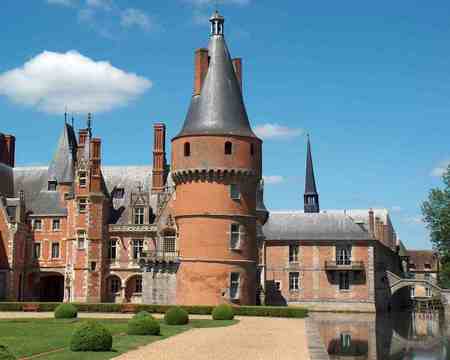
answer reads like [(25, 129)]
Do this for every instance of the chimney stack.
[(201, 68), (7, 149), (371, 223), (237, 64), (159, 157)]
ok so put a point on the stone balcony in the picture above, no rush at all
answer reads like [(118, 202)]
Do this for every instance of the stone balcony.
[(344, 265), (158, 260)]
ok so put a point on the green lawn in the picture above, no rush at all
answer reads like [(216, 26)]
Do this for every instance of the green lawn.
[(27, 337)]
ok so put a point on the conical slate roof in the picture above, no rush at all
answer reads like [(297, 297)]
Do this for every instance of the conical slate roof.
[(219, 109), (61, 168), (310, 181)]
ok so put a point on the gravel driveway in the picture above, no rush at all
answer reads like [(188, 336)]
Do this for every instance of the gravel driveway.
[(251, 339)]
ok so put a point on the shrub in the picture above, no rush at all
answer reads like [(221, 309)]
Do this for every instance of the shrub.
[(143, 325), (271, 311), (223, 312), (66, 311), (91, 336), (143, 313), (5, 354), (176, 316)]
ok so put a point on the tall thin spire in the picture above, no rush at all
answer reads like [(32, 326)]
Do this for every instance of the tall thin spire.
[(311, 197)]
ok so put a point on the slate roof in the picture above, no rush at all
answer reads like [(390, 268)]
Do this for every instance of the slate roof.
[(61, 167), (219, 109), (296, 225), (310, 181)]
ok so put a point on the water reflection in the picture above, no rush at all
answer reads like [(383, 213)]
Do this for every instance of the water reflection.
[(399, 336)]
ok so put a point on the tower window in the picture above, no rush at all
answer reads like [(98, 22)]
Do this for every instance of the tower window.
[(235, 192), (235, 279), (187, 149), (228, 148), (81, 239), (82, 178), (82, 205), (252, 149), (236, 235)]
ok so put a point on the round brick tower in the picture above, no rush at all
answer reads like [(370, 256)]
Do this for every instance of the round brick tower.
[(216, 167)]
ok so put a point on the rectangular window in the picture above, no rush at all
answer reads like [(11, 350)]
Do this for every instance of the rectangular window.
[(115, 285), (139, 216), (112, 249), (294, 281), (138, 247), (344, 281), (344, 255), (56, 225), (235, 279), (82, 205), (236, 235), (235, 191), (412, 291), (52, 185), (169, 244), (81, 240), (277, 285), (82, 178), (293, 253), (37, 250), (346, 341), (138, 288), (55, 250), (428, 292), (37, 224)]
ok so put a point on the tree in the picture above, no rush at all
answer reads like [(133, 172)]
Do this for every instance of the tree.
[(436, 214)]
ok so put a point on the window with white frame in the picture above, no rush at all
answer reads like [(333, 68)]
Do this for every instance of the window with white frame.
[(82, 205), (37, 250), (235, 191), (112, 249), (139, 215), (235, 280), (81, 239), (293, 253), (138, 247), (412, 291), (344, 280), (138, 284), (37, 224), (55, 250), (346, 341), (82, 178), (56, 224), (344, 255), (237, 233), (294, 281), (114, 284)]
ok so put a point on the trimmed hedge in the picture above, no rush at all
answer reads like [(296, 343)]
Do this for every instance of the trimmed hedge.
[(5, 354), (142, 313), (91, 336), (223, 312), (143, 325), (66, 311), (176, 316), (270, 311)]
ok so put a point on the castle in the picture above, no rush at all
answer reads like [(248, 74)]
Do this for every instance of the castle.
[(192, 232)]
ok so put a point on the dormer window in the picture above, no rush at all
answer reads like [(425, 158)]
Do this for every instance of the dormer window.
[(82, 178), (52, 185), (228, 148), (139, 215)]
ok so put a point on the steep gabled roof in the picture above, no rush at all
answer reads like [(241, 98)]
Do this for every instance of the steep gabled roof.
[(219, 109), (61, 168)]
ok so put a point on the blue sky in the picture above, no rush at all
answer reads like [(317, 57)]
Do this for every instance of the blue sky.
[(369, 81)]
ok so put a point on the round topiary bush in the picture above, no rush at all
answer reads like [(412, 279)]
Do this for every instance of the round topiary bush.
[(176, 316), (5, 354), (143, 314), (66, 311), (143, 325), (223, 312), (91, 336)]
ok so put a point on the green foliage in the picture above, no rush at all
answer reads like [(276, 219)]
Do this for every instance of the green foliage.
[(5, 354), (176, 316), (223, 312), (142, 313), (271, 311), (91, 336), (143, 325), (66, 311)]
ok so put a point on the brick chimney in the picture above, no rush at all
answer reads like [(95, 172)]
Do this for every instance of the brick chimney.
[(96, 158), (7, 149), (159, 157), (371, 223), (237, 64), (201, 68)]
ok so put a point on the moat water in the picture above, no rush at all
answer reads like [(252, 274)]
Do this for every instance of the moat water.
[(397, 336)]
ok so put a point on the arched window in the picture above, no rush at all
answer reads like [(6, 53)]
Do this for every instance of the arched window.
[(252, 149), (228, 148), (187, 149)]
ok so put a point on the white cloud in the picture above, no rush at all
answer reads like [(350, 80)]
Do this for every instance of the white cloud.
[(276, 131), (415, 219), (135, 17), (273, 179), (51, 81), (62, 2), (439, 170)]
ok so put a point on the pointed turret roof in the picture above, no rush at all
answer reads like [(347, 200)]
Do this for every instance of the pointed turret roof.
[(61, 168), (219, 109), (310, 181)]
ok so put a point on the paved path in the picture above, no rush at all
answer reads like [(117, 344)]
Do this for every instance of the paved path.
[(251, 339)]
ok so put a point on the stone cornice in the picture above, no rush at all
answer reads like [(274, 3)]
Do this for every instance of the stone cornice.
[(152, 228)]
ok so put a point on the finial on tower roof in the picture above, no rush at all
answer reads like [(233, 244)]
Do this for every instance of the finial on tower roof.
[(217, 23), (89, 123)]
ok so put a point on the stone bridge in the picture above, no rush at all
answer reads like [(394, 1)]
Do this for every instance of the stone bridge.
[(396, 283)]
